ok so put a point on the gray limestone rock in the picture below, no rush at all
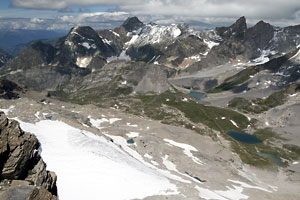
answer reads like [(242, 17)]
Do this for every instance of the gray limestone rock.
[(20, 159)]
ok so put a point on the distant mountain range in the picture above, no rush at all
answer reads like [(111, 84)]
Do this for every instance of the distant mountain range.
[(212, 83), (176, 49), (14, 40)]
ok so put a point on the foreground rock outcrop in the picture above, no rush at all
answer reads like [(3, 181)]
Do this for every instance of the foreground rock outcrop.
[(23, 173)]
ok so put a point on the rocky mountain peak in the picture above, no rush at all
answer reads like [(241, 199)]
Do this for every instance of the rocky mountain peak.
[(261, 34), (81, 45), (132, 23), (239, 25), (261, 27), (237, 29)]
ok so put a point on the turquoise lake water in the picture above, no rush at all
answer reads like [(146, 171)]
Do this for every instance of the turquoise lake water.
[(197, 95)]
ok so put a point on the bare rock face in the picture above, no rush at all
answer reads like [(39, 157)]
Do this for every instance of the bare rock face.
[(132, 23), (39, 194), (4, 57), (22, 170), (155, 80), (17, 148)]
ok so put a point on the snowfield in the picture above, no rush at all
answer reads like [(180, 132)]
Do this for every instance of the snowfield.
[(90, 167)]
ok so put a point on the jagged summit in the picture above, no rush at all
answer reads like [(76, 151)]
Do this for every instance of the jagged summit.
[(261, 33), (81, 45), (237, 29), (240, 24), (132, 23)]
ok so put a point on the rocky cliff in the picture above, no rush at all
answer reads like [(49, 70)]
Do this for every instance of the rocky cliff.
[(4, 57), (23, 173)]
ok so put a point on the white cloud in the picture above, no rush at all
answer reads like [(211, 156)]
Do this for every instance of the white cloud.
[(209, 11), (36, 20), (99, 20)]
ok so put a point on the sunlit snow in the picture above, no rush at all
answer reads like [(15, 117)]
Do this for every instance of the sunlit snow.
[(132, 134), (6, 111), (186, 150), (234, 123), (83, 62), (90, 167)]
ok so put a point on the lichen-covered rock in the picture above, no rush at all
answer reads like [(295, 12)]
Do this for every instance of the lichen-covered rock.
[(41, 177), (41, 194), (18, 151), (20, 160)]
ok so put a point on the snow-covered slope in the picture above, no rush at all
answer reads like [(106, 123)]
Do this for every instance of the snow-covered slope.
[(153, 33), (91, 167)]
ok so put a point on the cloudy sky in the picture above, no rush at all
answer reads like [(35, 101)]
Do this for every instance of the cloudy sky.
[(63, 14)]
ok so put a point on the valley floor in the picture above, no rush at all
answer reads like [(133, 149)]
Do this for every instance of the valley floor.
[(108, 154)]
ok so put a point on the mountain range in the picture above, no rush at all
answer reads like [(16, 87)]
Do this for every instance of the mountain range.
[(206, 86)]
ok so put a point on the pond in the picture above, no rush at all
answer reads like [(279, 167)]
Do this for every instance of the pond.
[(131, 141), (274, 159), (196, 95), (243, 137)]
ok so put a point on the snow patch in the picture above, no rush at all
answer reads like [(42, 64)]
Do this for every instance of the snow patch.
[(132, 40), (235, 124), (185, 100), (245, 185), (154, 163), (113, 120), (132, 134), (234, 193), (86, 45), (154, 34), (208, 194), (169, 165), (108, 42), (6, 111), (122, 56), (263, 58), (96, 162), (37, 115), (97, 122), (296, 55), (116, 34), (83, 62), (211, 44), (186, 150), (148, 156), (132, 125), (123, 143)]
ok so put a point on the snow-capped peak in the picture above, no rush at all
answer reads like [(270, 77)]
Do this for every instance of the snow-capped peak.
[(153, 33)]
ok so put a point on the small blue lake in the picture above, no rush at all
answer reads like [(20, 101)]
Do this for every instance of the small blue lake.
[(274, 159), (196, 95), (131, 141), (243, 137)]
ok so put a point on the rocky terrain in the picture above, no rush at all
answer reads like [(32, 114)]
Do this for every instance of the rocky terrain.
[(195, 165), (4, 57), (23, 171), (149, 110)]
